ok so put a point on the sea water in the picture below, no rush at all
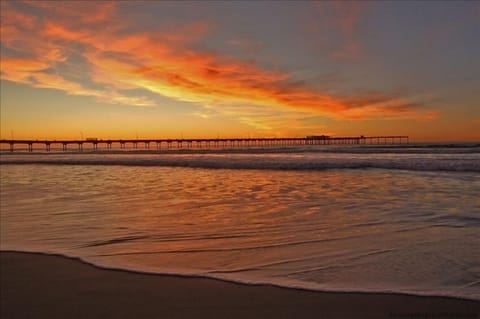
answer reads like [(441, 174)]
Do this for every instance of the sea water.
[(353, 218)]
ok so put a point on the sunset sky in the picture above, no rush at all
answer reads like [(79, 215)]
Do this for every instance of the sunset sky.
[(235, 69)]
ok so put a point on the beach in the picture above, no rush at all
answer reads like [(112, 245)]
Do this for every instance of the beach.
[(348, 233), (239, 159), (50, 286)]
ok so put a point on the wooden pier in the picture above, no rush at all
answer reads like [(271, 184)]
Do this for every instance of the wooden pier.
[(203, 143)]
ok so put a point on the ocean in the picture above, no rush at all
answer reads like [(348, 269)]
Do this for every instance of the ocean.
[(362, 218)]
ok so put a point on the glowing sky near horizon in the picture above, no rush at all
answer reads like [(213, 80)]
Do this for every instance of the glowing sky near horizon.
[(253, 68)]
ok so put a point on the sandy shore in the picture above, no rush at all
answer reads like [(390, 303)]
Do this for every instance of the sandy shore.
[(41, 286)]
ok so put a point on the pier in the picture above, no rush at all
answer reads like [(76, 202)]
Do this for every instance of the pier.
[(94, 144)]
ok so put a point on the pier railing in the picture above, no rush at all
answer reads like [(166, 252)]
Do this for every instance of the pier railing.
[(202, 143)]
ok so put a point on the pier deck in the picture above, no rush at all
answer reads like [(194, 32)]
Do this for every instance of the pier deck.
[(202, 143)]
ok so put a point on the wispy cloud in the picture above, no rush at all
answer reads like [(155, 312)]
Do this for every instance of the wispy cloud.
[(342, 18), (246, 44), (43, 34)]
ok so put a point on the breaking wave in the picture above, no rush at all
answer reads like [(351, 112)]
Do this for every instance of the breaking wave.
[(465, 162)]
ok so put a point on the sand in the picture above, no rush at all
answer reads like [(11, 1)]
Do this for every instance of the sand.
[(47, 286)]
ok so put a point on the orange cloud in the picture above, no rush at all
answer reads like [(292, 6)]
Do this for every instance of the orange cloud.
[(162, 63), (19, 68)]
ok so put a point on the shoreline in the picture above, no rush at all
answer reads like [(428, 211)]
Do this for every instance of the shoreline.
[(42, 285), (232, 281)]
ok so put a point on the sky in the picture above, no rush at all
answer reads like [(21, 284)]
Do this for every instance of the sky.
[(159, 69)]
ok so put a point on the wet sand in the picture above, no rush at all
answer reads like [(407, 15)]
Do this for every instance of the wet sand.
[(47, 286)]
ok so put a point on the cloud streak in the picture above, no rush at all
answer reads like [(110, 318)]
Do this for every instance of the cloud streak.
[(40, 35)]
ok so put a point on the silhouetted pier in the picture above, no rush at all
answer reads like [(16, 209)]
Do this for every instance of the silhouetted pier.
[(201, 143)]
